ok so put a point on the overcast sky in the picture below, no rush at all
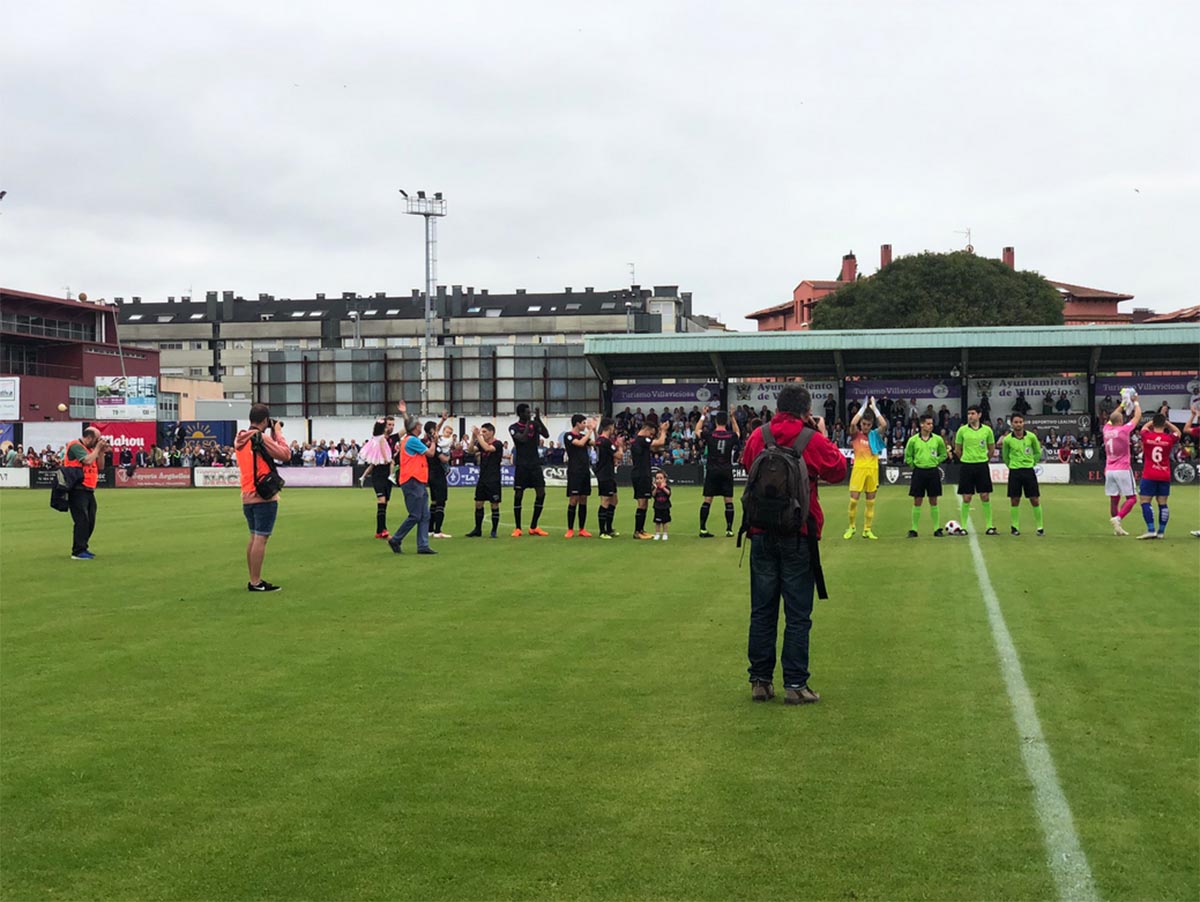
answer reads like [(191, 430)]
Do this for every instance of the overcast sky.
[(732, 149)]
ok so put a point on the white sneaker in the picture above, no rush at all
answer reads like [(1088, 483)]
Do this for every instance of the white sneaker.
[(657, 537), (665, 537), (1196, 533), (444, 535), (1118, 530), (1148, 535)]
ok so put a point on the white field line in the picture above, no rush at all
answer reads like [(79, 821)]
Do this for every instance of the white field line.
[(1068, 864)]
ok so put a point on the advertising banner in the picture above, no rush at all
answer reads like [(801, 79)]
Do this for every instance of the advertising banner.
[(294, 477), (1077, 425), (681, 394), (127, 398), (10, 397), (14, 477), (926, 391), (756, 394), (44, 478), (52, 435), (223, 477), (468, 475), (1002, 393), (1046, 473), (153, 478), (1179, 392), (8, 432), (134, 436), (207, 433)]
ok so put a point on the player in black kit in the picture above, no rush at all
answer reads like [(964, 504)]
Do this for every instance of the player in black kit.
[(719, 445), (579, 474), (489, 453), (608, 455), (650, 438), (527, 435)]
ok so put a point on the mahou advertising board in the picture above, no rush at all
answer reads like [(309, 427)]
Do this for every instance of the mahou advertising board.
[(134, 436)]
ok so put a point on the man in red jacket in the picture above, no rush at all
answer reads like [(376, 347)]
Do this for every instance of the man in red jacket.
[(782, 565)]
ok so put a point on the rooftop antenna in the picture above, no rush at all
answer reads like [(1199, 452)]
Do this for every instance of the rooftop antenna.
[(632, 274), (970, 248)]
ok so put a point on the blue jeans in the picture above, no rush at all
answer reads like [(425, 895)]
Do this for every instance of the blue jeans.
[(416, 499), (780, 566)]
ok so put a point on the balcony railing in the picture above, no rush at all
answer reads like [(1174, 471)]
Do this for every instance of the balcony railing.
[(48, 370)]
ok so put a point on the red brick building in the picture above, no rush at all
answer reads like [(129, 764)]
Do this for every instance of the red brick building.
[(1081, 306), (57, 348)]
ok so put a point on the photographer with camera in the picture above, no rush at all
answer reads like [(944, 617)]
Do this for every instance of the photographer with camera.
[(84, 454), (257, 449)]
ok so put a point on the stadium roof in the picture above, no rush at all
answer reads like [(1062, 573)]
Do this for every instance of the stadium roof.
[(898, 353)]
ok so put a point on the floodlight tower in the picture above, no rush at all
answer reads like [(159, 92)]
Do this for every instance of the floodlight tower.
[(431, 208)]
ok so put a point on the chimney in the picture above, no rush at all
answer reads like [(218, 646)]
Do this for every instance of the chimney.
[(885, 255), (849, 268), (1009, 258)]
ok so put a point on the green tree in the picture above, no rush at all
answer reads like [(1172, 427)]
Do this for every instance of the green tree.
[(942, 290)]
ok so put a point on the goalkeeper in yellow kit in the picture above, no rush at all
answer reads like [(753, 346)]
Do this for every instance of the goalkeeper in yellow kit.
[(868, 430)]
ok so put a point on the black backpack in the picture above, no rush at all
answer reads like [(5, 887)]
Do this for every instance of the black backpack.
[(266, 485), (778, 494)]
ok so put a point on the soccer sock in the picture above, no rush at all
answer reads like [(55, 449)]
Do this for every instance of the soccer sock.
[(987, 513), (1127, 507), (517, 513), (704, 509), (1014, 514), (869, 516), (964, 508), (479, 519), (495, 518), (1148, 516), (1114, 504), (937, 516), (582, 516), (537, 514), (916, 517), (639, 520), (380, 517), (435, 518), (853, 511), (571, 516), (1037, 516), (1163, 516), (729, 516)]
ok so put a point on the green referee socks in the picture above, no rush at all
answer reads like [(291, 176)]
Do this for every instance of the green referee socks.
[(1037, 517), (987, 513), (1014, 515), (964, 509), (916, 517), (937, 516)]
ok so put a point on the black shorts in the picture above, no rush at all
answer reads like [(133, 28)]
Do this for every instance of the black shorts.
[(579, 484), (529, 478), (438, 491), (662, 516), (926, 482), (488, 492), (718, 484), (606, 488), (974, 479), (380, 482), (1023, 480), (643, 487)]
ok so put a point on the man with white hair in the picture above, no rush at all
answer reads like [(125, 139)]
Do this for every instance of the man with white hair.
[(83, 454)]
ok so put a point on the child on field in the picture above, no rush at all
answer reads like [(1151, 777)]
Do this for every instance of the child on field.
[(662, 506), (375, 451)]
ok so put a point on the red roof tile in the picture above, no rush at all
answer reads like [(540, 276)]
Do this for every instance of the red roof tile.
[(1088, 294)]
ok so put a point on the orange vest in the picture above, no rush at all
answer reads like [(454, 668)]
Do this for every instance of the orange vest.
[(91, 472), (412, 466), (250, 466)]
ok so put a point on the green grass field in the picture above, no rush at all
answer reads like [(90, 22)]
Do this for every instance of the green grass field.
[(543, 718)]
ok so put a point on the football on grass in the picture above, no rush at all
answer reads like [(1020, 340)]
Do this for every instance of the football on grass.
[(954, 528)]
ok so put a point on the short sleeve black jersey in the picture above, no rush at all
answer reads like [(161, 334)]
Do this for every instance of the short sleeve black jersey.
[(489, 464), (719, 446), (641, 455), (525, 443), (605, 458), (577, 456)]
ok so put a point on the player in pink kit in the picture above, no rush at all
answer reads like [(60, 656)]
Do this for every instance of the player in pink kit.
[(1118, 471), (1158, 437)]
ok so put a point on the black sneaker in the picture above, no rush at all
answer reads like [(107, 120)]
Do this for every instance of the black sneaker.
[(939, 533), (395, 546), (1014, 531), (729, 533), (263, 586), (1041, 532), (493, 535), (705, 534), (474, 534), (991, 531), (912, 533), (426, 551)]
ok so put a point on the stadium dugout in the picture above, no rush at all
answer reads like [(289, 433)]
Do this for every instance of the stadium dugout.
[(944, 354)]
